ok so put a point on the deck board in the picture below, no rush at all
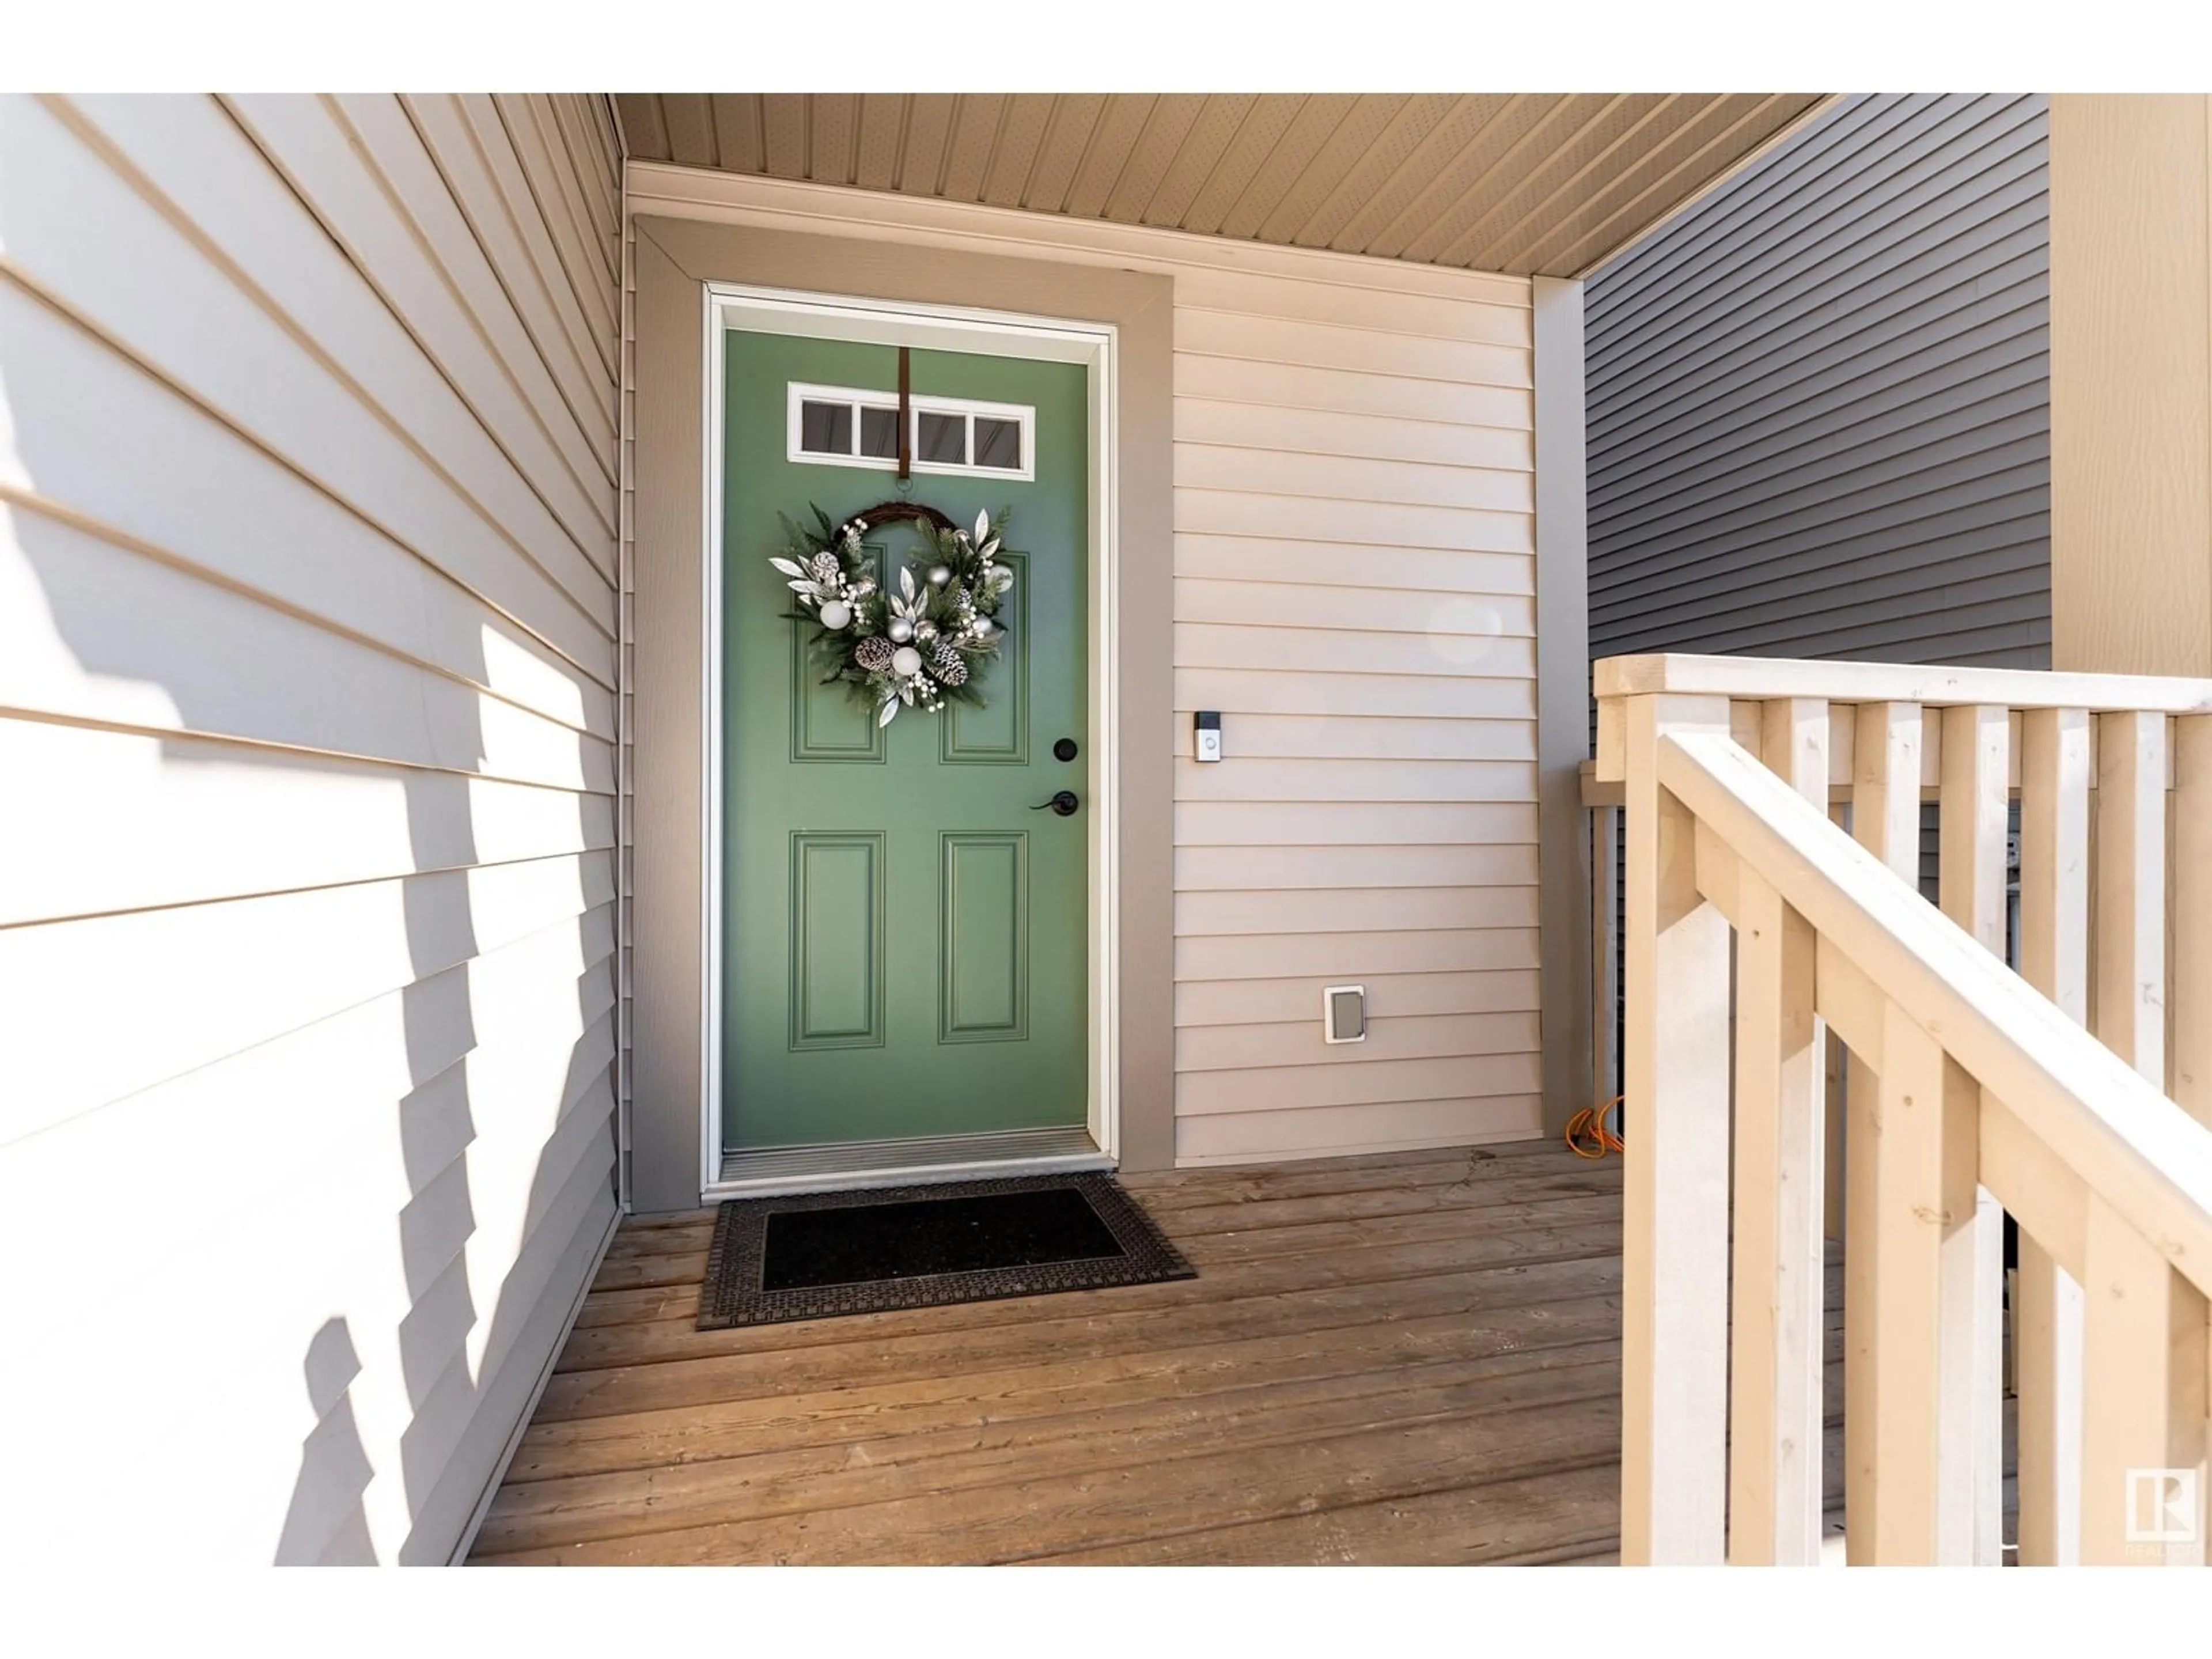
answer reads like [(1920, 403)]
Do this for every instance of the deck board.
[(1408, 1357)]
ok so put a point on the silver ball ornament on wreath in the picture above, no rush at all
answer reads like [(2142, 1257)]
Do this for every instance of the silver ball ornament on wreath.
[(836, 613), (900, 629), (874, 653), (924, 632), (906, 662), (939, 574)]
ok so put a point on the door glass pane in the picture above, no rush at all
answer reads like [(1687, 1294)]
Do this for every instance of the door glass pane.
[(998, 443), (825, 428), (942, 438), (879, 433)]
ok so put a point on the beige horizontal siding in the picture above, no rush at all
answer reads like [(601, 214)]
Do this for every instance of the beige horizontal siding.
[(1354, 490), (1378, 782), (1307, 1083), (1301, 344), (1462, 614), (1330, 390), (1300, 691), (1352, 910), (1352, 954), (1379, 526), (1402, 1036), (1498, 317), (307, 890), (1225, 869), (1353, 737), (1373, 1126), (1353, 824), (1280, 1002), (1483, 654), (1328, 433)]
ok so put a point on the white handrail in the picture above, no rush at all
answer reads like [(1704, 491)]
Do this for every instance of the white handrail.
[(2124, 1140), (1934, 687)]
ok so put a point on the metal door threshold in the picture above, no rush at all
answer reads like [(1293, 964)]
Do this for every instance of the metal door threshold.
[(774, 1169)]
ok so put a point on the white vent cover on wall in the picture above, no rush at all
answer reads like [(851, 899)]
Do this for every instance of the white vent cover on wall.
[(1344, 1013)]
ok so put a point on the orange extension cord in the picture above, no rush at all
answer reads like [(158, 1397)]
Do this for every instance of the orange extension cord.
[(1586, 1135)]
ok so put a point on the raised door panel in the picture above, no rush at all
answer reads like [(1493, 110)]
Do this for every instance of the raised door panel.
[(837, 941), (983, 939)]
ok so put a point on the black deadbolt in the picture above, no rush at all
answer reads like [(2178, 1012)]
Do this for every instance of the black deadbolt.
[(1063, 750), (1064, 803)]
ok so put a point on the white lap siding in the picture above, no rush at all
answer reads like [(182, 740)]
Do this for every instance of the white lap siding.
[(307, 622), (1355, 590)]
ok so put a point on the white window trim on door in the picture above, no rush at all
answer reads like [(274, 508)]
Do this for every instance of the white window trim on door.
[(731, 307)]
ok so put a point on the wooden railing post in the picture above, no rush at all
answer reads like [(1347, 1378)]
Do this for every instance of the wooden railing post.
[(1974, 799), (2191, 995), (1774, 1441), (2143, 1339), (2144, 1439), (1674, 1233), (1913, 1503), (2054, 956)]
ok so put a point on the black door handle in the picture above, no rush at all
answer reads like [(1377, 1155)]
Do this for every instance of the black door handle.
[(1064, 803)]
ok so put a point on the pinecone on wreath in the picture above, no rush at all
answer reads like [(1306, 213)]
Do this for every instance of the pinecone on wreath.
[(874, 653), (948, 666), (824, 568)]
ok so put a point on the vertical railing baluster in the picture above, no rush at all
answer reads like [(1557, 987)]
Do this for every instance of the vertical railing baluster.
[(2130, 890), (2190, 925), (1674, 1203), (1835, 1089), (1974, 799), (1885, 821), (1775, 1463), (2054, 956), (1605, 952), (2189, 1070)]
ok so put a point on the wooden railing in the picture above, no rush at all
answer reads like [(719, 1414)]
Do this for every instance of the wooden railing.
[(1969, 1091)]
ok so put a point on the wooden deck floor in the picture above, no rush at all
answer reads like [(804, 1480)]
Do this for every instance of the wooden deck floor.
[(1410, 1358)]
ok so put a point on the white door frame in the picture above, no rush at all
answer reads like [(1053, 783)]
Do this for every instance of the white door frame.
[(732, 307)]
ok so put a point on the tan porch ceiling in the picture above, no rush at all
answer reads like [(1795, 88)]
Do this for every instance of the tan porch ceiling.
[(1524, 183)]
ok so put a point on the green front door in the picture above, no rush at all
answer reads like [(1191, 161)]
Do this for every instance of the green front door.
[(905, 939)]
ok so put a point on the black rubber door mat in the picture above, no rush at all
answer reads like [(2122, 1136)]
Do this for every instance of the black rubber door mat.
[(816, 1256)]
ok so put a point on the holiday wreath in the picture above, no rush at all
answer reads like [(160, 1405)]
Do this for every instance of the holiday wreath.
[(913, 645)]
